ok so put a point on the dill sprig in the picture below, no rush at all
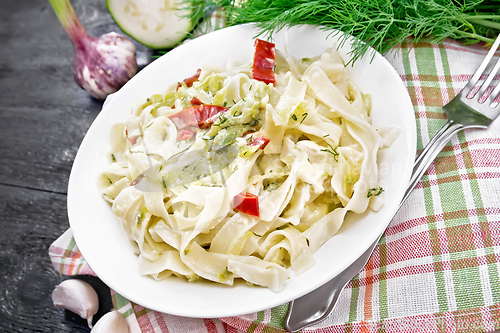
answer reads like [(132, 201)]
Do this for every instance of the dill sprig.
[(377, 24)]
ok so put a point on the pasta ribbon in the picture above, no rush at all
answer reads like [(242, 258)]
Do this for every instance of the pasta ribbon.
[(303, 145)]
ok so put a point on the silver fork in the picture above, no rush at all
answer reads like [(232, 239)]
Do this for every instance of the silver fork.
[(463, 112)]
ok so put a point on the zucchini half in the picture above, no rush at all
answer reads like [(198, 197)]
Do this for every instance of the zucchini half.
[(156, 24)]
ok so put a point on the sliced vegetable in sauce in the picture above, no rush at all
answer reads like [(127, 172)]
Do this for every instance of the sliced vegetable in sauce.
[(258, 140), (185, 134), (201, 116), (225, 274)]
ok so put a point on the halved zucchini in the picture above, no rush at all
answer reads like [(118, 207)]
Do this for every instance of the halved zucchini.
[(156, 24)]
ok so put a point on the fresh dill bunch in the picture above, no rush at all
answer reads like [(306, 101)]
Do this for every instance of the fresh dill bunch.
[(377, 24)]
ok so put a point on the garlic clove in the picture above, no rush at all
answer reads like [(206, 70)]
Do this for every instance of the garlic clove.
[(111, 322), (76, 296)]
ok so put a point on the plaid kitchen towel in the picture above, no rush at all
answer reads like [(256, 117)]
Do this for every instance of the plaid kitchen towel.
[(437, 267)]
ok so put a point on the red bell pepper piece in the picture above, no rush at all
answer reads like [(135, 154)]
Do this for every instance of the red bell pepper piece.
[(185, 134), (133, 140), (247, 203), (195, 101), (202, 116), (259, 140), (264, 60), (190, 80)]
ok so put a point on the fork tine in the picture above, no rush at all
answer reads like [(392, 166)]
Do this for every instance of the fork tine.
[(494, 95), (477, 75), (488, 81)]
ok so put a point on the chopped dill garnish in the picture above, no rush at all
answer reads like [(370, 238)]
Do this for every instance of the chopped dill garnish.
[(284, 226), (222, 120), (332, 151), (182, 151), (303, 115), (377, 24), (374, 192)]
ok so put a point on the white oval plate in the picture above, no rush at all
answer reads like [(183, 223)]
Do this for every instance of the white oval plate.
[(104, 245)]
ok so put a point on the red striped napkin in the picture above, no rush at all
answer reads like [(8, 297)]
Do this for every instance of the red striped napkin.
[(437, 268)]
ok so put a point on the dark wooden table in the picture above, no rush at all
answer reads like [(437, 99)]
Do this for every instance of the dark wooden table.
[(43, 118)]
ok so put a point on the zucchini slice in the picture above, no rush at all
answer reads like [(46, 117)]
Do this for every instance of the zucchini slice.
[(156, 24)]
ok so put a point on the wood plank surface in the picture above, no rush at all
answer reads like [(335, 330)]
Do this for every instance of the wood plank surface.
[(44, 116), (44, 113), (31, 221)]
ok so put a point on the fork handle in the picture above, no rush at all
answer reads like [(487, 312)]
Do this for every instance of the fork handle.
[(430, 152)]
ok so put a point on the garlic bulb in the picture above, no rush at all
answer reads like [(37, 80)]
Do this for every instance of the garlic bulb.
[(101, 65), (76, 296), (111, 322)]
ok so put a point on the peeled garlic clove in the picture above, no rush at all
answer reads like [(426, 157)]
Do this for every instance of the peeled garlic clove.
[(111, 322), (76, 296)]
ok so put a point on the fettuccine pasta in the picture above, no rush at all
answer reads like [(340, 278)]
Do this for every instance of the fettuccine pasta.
[(224, 176)]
